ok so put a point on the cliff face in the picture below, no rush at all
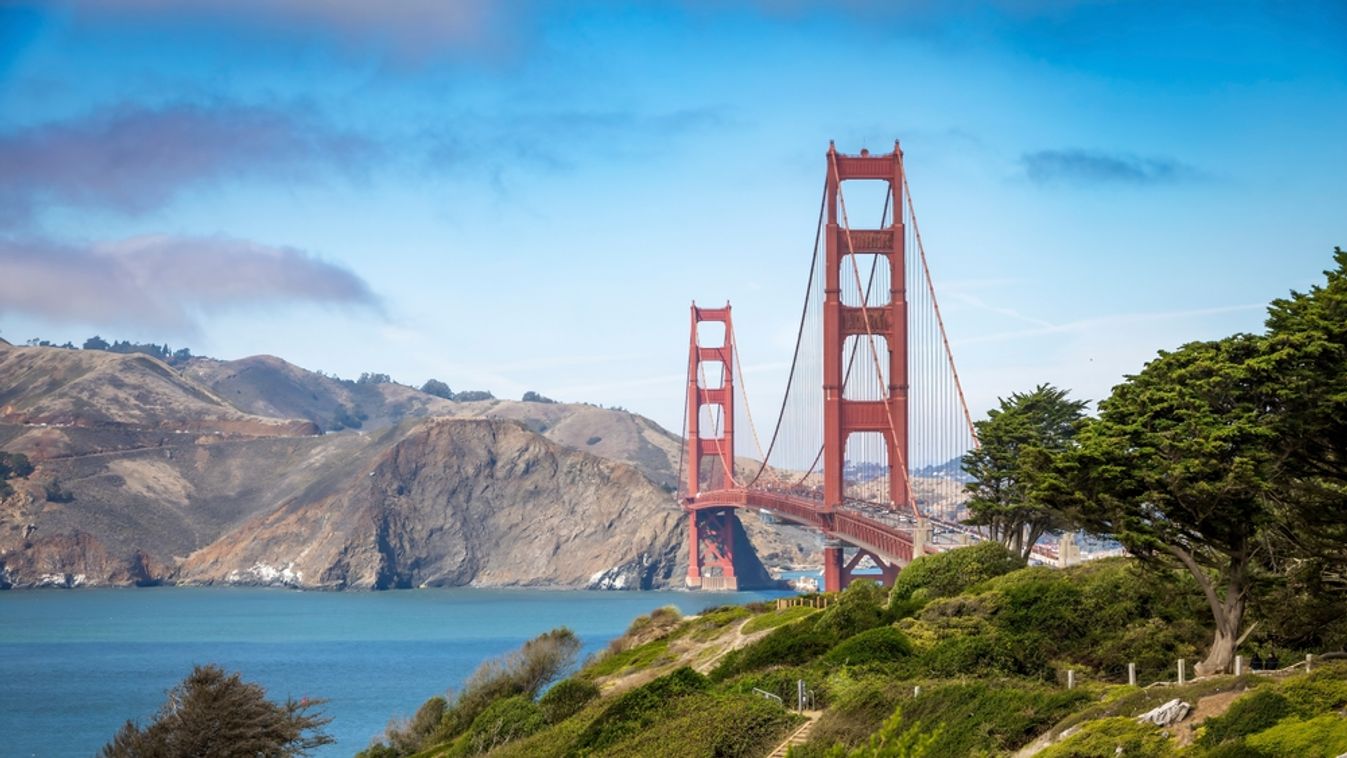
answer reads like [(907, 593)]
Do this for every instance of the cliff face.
[(148, 475), (459, 502)]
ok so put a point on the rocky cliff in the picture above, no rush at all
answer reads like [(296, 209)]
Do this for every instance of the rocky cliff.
[(220, 473)]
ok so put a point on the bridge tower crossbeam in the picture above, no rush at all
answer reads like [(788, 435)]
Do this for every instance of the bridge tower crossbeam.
[(710, 533), (888, 322)]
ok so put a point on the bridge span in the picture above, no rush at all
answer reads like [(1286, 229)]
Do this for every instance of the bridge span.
[(872, 392)]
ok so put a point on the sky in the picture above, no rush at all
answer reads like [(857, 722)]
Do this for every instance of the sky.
[(519, 195)]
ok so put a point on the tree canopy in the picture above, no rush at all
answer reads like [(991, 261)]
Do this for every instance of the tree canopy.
[(1012, 492), (212, 714)]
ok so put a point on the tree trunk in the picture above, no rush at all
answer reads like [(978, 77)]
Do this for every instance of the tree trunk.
[(1227, 612)]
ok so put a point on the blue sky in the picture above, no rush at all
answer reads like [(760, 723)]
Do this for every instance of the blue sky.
[(526, 195)]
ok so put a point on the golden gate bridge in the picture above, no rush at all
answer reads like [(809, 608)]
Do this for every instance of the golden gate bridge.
[(873, 421)]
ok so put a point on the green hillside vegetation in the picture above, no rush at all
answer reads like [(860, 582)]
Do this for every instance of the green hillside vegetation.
[(989, 660)]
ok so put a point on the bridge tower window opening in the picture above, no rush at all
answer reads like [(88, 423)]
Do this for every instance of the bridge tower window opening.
[(711, 375)]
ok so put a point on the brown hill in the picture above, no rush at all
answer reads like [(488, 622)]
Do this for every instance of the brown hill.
[(216, 474)]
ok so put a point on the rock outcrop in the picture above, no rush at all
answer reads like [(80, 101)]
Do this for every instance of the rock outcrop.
[(219, 473)]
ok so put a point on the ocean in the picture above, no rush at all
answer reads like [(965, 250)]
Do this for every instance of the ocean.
[(76, 664)]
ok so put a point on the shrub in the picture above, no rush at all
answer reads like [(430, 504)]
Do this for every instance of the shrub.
[(882, 645), (213, 713), (1320, 737), (637, 709), (522, 672), (858, 608), (727, 726), (952, 571), (787, 645), (1111, 737), (1249, 714), (566, 698), (438, 389), (858, 709), (1320, 691), (1007, 715), (504, 721)]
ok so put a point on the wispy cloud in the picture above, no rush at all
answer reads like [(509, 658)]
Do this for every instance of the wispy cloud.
[(135, 159), (1086, 167), (166, 282), (410, 30)]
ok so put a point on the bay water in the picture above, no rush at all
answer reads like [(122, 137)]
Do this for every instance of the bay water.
[(76, 664)]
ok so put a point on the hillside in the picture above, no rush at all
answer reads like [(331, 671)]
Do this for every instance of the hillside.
[(249, 471), (967, 656)]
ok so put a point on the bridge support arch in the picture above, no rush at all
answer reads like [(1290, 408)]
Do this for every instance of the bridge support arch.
[(840, 571)]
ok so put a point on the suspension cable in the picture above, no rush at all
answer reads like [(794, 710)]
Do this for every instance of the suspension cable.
[(799, 337), (940, 321)]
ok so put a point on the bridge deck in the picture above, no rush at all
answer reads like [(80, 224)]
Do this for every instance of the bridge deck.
[(888, 541)]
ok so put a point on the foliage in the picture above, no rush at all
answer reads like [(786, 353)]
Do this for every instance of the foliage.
[(1013, 490), (1250, 714), (791, 644), (1099, 616), (727, 725), (635, 657), (470, 396), (12, 466), (406, 737), (534, 397), (636, 710), (212, 714), (566, 698), (1008, 714), (503, 721), (1183, 469), (896, 739), (1111, 737), (438, 389), (856, 710), (520, 673), (1320, 737), (773, 619), (368, 378), (951, 572), (1307, 349), (880, 645), (861, 606)]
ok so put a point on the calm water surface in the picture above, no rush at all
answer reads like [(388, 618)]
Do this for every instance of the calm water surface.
[(76, 664)]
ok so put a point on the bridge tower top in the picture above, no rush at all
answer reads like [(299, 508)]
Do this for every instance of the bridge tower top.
[(876, 323), (710, 404)]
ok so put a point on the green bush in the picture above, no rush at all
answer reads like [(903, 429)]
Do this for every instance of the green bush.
[(987, 716), (505, 721), (1250, 714), (953, 571), (1320, 691), (860, 607), (1111, 737), (788, 645), (882, 645), (859, 708), (638, 709), (1320, 737), (729, 726), (566, 698)]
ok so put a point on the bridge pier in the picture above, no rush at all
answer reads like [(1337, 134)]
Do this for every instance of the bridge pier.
[(834, 572), (711, 550)]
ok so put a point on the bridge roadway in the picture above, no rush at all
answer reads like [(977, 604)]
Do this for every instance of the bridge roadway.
[(874, 533), (888, 541)]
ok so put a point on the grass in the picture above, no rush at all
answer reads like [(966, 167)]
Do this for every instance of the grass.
[(773, 619), (639, 657)]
